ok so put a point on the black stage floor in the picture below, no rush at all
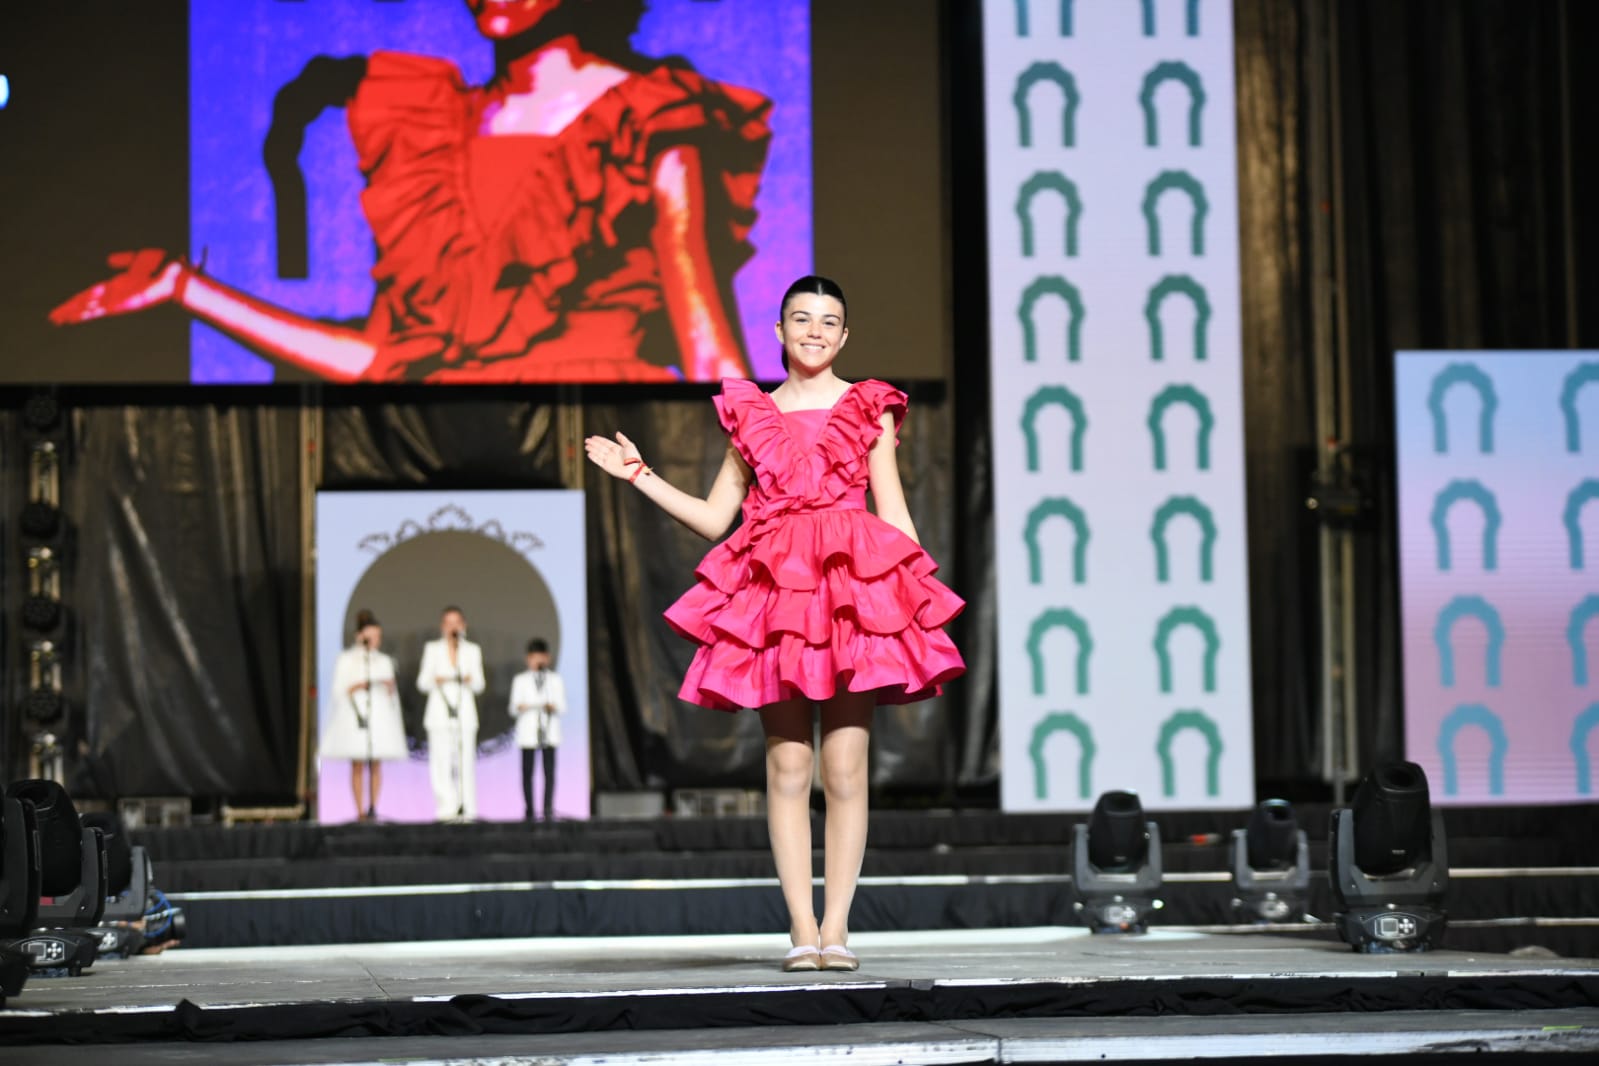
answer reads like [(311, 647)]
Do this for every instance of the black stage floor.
[(1008, 995)]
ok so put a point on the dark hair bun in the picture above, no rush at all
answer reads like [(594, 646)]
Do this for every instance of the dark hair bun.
[(364, 618)]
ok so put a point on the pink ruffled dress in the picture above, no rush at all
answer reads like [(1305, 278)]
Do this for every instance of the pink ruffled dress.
[(813, 593)]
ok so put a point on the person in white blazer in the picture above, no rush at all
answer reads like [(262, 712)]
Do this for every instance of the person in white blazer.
[(365, 725), (451, 676), (538, 699)]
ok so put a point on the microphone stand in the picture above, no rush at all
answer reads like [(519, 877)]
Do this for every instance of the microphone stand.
[(366, 725)]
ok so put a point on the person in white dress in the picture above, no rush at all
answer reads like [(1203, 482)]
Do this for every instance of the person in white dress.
[(538, 699), (451, 676), (365, 725)]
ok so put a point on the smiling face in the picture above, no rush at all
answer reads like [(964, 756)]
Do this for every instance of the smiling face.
[(812, 331), (500, 19)]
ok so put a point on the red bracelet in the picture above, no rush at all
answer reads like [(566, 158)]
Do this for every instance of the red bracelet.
[(642, 469)]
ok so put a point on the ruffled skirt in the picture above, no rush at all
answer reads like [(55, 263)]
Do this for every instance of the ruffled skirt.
[(814, 603)]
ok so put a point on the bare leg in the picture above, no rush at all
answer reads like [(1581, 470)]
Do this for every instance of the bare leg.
[(846, 738), (358, 786), (376, 770), (789, 755)]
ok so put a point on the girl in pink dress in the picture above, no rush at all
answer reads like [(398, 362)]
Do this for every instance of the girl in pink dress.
[(813, 600)]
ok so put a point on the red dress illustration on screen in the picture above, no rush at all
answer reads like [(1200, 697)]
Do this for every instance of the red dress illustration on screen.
[(577, 219)]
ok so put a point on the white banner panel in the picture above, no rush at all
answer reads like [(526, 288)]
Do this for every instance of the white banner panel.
[(1117, 403), (1499, 572), (513, 562)]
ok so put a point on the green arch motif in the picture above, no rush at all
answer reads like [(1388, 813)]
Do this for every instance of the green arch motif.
[(1062, 507), (1581, 729), (1158, 76), (1022, 29), (1052, 72), (1065, 618), (1207, 728), (1186, 616), (1048, 726), (1581, 615), (1586, 374), (1473, 714), (1475, 492), (1181, 181), (1472, 376), (1581, 496), (1188, 505), (1443, 633), (1055, 182), (1192, 19), (1172, 285), (1052, 285), (1191, 396), (1052, 395)]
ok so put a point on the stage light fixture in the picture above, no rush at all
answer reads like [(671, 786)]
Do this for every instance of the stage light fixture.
[(41, 610), (19, 889), (138, 917), (41, 515), (44, 702), (1271, 866), (1116, 866), (72, 882), (41, 411), (1389, 863)]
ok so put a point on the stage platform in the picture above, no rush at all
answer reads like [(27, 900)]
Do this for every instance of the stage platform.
[(1015, 995)]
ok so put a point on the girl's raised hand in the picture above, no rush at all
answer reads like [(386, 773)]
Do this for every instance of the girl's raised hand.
[(611, 455), (143, 279)]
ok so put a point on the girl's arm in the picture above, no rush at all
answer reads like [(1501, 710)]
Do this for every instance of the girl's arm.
[(700, 323), (888, 495), (710, 517), (149, 278)]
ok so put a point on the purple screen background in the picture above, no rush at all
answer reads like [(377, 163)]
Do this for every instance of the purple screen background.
[(242, 51)]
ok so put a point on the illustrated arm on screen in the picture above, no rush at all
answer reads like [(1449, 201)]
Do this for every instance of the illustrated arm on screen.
[(888, 495), (150, 277), (694, 295), (710, 517)]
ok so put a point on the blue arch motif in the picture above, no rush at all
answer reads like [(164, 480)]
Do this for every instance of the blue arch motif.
[(1057, 506), (1067, 400), (1062, 722), (1581, 730), (1064, 618), (1443, 635), (1185, 394), (1172, 285), (1472, 376), (1191, 21), (1581, 615), (1194, 508), (1185, 76), (1186, 616), (1023, 29), (1580, 497), (1051, 72), (1181, 181), (1586, 374), (1052, 181), (1052, 285), (1475, 492), (1473, 714), (1206, 726)]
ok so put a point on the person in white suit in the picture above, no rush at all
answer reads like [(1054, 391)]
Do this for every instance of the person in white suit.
[(538, 699), (365, 725), (451, 676)]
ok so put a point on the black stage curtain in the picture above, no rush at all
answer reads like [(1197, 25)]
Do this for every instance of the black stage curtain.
[(188, 598)]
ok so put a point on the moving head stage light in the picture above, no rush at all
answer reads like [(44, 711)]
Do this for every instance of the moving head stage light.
[(1116, 868), (19, 889), (138, 919), (1389, 863), (72, 883), (1271, 866)]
